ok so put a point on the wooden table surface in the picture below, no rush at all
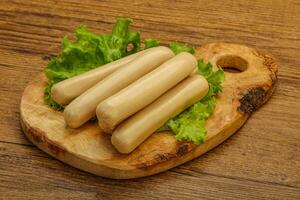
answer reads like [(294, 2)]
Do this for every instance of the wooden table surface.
[(261, 161)]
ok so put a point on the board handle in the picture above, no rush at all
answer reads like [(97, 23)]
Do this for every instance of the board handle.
[(254, 73)]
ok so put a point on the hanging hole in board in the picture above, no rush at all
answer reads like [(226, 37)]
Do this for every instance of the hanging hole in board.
[(232, 64)]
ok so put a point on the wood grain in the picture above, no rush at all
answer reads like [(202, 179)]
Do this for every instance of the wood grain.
[(261, 161), (89, 148)]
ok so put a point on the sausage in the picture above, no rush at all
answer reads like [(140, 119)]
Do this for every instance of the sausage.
[(133, 131), (83, 108), (65, 91), (139, 94)]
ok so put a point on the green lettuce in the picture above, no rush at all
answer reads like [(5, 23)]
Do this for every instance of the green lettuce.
[(178, 48), (48, 99), (190, 124), (149, 43), (89, 51)]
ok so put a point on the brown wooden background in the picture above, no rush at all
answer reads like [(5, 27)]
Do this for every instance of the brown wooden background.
[(261, 161)]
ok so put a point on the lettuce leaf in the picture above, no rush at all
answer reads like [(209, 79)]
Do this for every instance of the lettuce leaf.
[(178, 48), (89, 51), (48, 99), (190, 124), (149, 43)]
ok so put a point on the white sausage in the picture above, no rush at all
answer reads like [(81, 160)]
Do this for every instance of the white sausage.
[(83, 108), (144, 91), (65, 91), (132, 132)]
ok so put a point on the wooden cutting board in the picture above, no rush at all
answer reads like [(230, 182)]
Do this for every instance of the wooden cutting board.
[(249, 82)]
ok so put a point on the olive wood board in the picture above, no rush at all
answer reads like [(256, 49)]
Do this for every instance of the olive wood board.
[(249, 82)]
